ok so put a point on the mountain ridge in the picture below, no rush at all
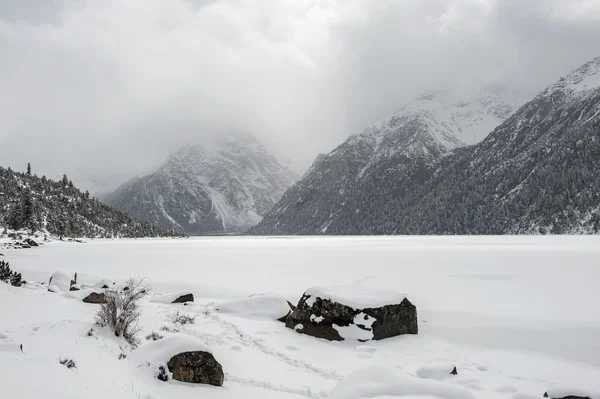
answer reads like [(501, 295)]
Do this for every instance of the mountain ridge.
[(534, 173)]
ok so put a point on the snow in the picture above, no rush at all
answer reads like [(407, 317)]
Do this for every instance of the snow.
[(269, 306), (388, 382), (61, 281), (353, 332), (168, 298), (517, 316), (355, 296), (161, 351)]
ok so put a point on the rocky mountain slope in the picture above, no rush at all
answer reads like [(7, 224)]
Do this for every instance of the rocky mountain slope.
[(28, 202), (222, 186), (538, 172), (404, 145)]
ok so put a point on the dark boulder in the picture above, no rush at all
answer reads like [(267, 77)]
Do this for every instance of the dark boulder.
[(324, 318), (95, 297), (184, 298), (196, 367), (31, 242)]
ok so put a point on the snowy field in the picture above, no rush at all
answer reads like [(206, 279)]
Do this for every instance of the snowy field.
[(517, 316)]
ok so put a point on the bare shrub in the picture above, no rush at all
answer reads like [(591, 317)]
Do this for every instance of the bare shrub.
[(162, 374), (169, 329), (68, 363), (121, 312), (154, 336), (183, 319)]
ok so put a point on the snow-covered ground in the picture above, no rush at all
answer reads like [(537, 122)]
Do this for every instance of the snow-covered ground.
[(517, 316)]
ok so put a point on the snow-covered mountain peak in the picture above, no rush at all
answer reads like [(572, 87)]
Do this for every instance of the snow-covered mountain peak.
[(222, 184), (579, 82), (449, 119)]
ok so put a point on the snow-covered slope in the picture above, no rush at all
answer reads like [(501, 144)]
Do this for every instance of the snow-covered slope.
[(415, 136), (222, 185)]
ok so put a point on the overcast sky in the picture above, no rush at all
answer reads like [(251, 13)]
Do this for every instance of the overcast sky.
[(116, 85)]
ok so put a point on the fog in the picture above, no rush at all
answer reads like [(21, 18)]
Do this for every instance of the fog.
[(109, 88)]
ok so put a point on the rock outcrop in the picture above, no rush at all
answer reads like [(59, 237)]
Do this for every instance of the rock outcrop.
[(353, 312)]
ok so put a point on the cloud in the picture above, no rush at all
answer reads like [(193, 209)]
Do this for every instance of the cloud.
[(113, 86)]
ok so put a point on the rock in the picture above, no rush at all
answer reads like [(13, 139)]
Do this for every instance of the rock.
[(75, 287), (31, 242), (104, 284), (572, 397), (95, 297), (63, 280), (454, 371), (184, 298), (196, 367), (353, 312)]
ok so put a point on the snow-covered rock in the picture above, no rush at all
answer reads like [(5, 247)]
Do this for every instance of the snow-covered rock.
[(388, 382), (353, 312), (356, 296), (62, 281), (188, 359), (269, 306), (174, 297), (161, 351), (562, 392), (104, 283)]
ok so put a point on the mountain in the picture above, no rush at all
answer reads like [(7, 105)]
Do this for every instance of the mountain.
[(402, 148), (223, 185), (536, 173), (57, 207)]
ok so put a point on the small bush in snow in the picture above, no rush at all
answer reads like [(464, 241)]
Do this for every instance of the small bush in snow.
[(68, 363), (90, 332), (162, 374), (121, 312), (169, 329), (122, 356), (183, 319), (154, 336), (8, 276)]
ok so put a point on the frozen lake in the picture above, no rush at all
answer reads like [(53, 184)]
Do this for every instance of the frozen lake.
[(502, 300)]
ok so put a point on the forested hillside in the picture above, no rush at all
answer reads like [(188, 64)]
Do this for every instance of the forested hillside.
[(536, 173), (28, 202)]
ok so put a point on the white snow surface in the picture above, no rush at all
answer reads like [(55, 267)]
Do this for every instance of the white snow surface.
[(168, 298), (268, 306), (356, 296), (388, 382), (517, 316)]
